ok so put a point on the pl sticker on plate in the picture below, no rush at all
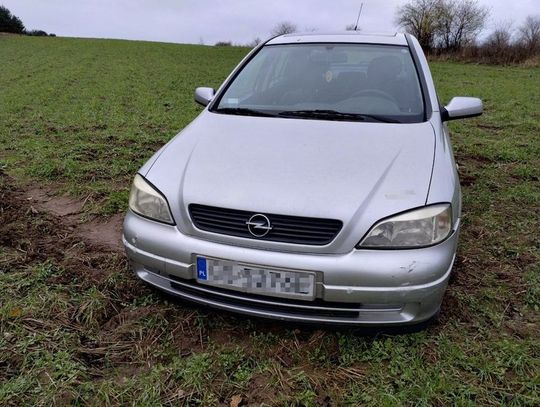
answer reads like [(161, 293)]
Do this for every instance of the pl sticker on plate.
[(202, 271)]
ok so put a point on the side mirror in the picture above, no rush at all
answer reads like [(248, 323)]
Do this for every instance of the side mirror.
[(461, 108), (203, 96)]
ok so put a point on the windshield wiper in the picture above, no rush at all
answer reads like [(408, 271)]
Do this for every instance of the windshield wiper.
[(336, 115), (243, 111)]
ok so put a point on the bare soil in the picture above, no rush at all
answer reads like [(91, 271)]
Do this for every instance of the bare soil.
[(69, 211)]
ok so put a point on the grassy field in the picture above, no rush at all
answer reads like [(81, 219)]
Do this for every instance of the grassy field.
[(79, 117)]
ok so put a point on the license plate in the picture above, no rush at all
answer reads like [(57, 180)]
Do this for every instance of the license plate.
[(255, 279)]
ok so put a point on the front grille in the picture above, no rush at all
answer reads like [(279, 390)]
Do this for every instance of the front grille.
[(287, 229)]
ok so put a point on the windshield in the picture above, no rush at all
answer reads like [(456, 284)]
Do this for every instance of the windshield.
[(364, 82)]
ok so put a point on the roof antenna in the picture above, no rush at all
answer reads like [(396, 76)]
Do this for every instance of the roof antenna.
[(359, 14)]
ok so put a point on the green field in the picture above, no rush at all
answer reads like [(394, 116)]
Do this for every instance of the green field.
[(79, 117)]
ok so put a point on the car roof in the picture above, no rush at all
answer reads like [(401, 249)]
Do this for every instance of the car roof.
[(340, 37)]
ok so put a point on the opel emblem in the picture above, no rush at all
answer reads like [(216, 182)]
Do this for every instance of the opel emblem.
[(259, 225)]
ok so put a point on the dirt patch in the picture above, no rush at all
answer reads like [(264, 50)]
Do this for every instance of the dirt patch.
[(38, 225), (46, 200), (40, 232), (466, 160), (124, 320), (258, 390), (105, 233), (491, 127)]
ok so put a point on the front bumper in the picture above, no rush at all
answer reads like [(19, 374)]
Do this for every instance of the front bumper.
[(362, 287)]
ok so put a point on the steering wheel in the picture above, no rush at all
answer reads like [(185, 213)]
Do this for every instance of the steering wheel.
[(375, 92)]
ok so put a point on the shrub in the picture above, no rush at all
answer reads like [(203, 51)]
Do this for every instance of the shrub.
[(37, 33)]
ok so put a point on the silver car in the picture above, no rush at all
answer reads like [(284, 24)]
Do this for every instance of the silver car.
[(318, 185)]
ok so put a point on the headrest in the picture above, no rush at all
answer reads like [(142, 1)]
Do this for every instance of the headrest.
[(384, 68)]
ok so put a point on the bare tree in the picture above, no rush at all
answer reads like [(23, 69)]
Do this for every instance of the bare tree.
[(529, 33), (447, 24), (420, 18), (256, 41), (284, 27), (500, 39), (459, 23)]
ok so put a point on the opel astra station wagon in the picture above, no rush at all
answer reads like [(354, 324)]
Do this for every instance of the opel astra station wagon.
[(318, 185)]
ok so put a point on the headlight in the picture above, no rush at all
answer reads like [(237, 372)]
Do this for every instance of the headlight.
[(145, 200), (417, 228)]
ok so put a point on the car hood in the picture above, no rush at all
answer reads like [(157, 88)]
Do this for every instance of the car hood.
[(354, 172)]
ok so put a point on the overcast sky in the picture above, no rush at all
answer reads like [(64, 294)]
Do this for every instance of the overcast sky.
[(240, 21)]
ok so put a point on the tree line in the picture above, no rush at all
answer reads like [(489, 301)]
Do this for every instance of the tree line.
[(284, 27), (453, 28), (10, 23), (443, 27)]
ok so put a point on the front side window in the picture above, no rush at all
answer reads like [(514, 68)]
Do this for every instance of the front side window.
[(328, 81)]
